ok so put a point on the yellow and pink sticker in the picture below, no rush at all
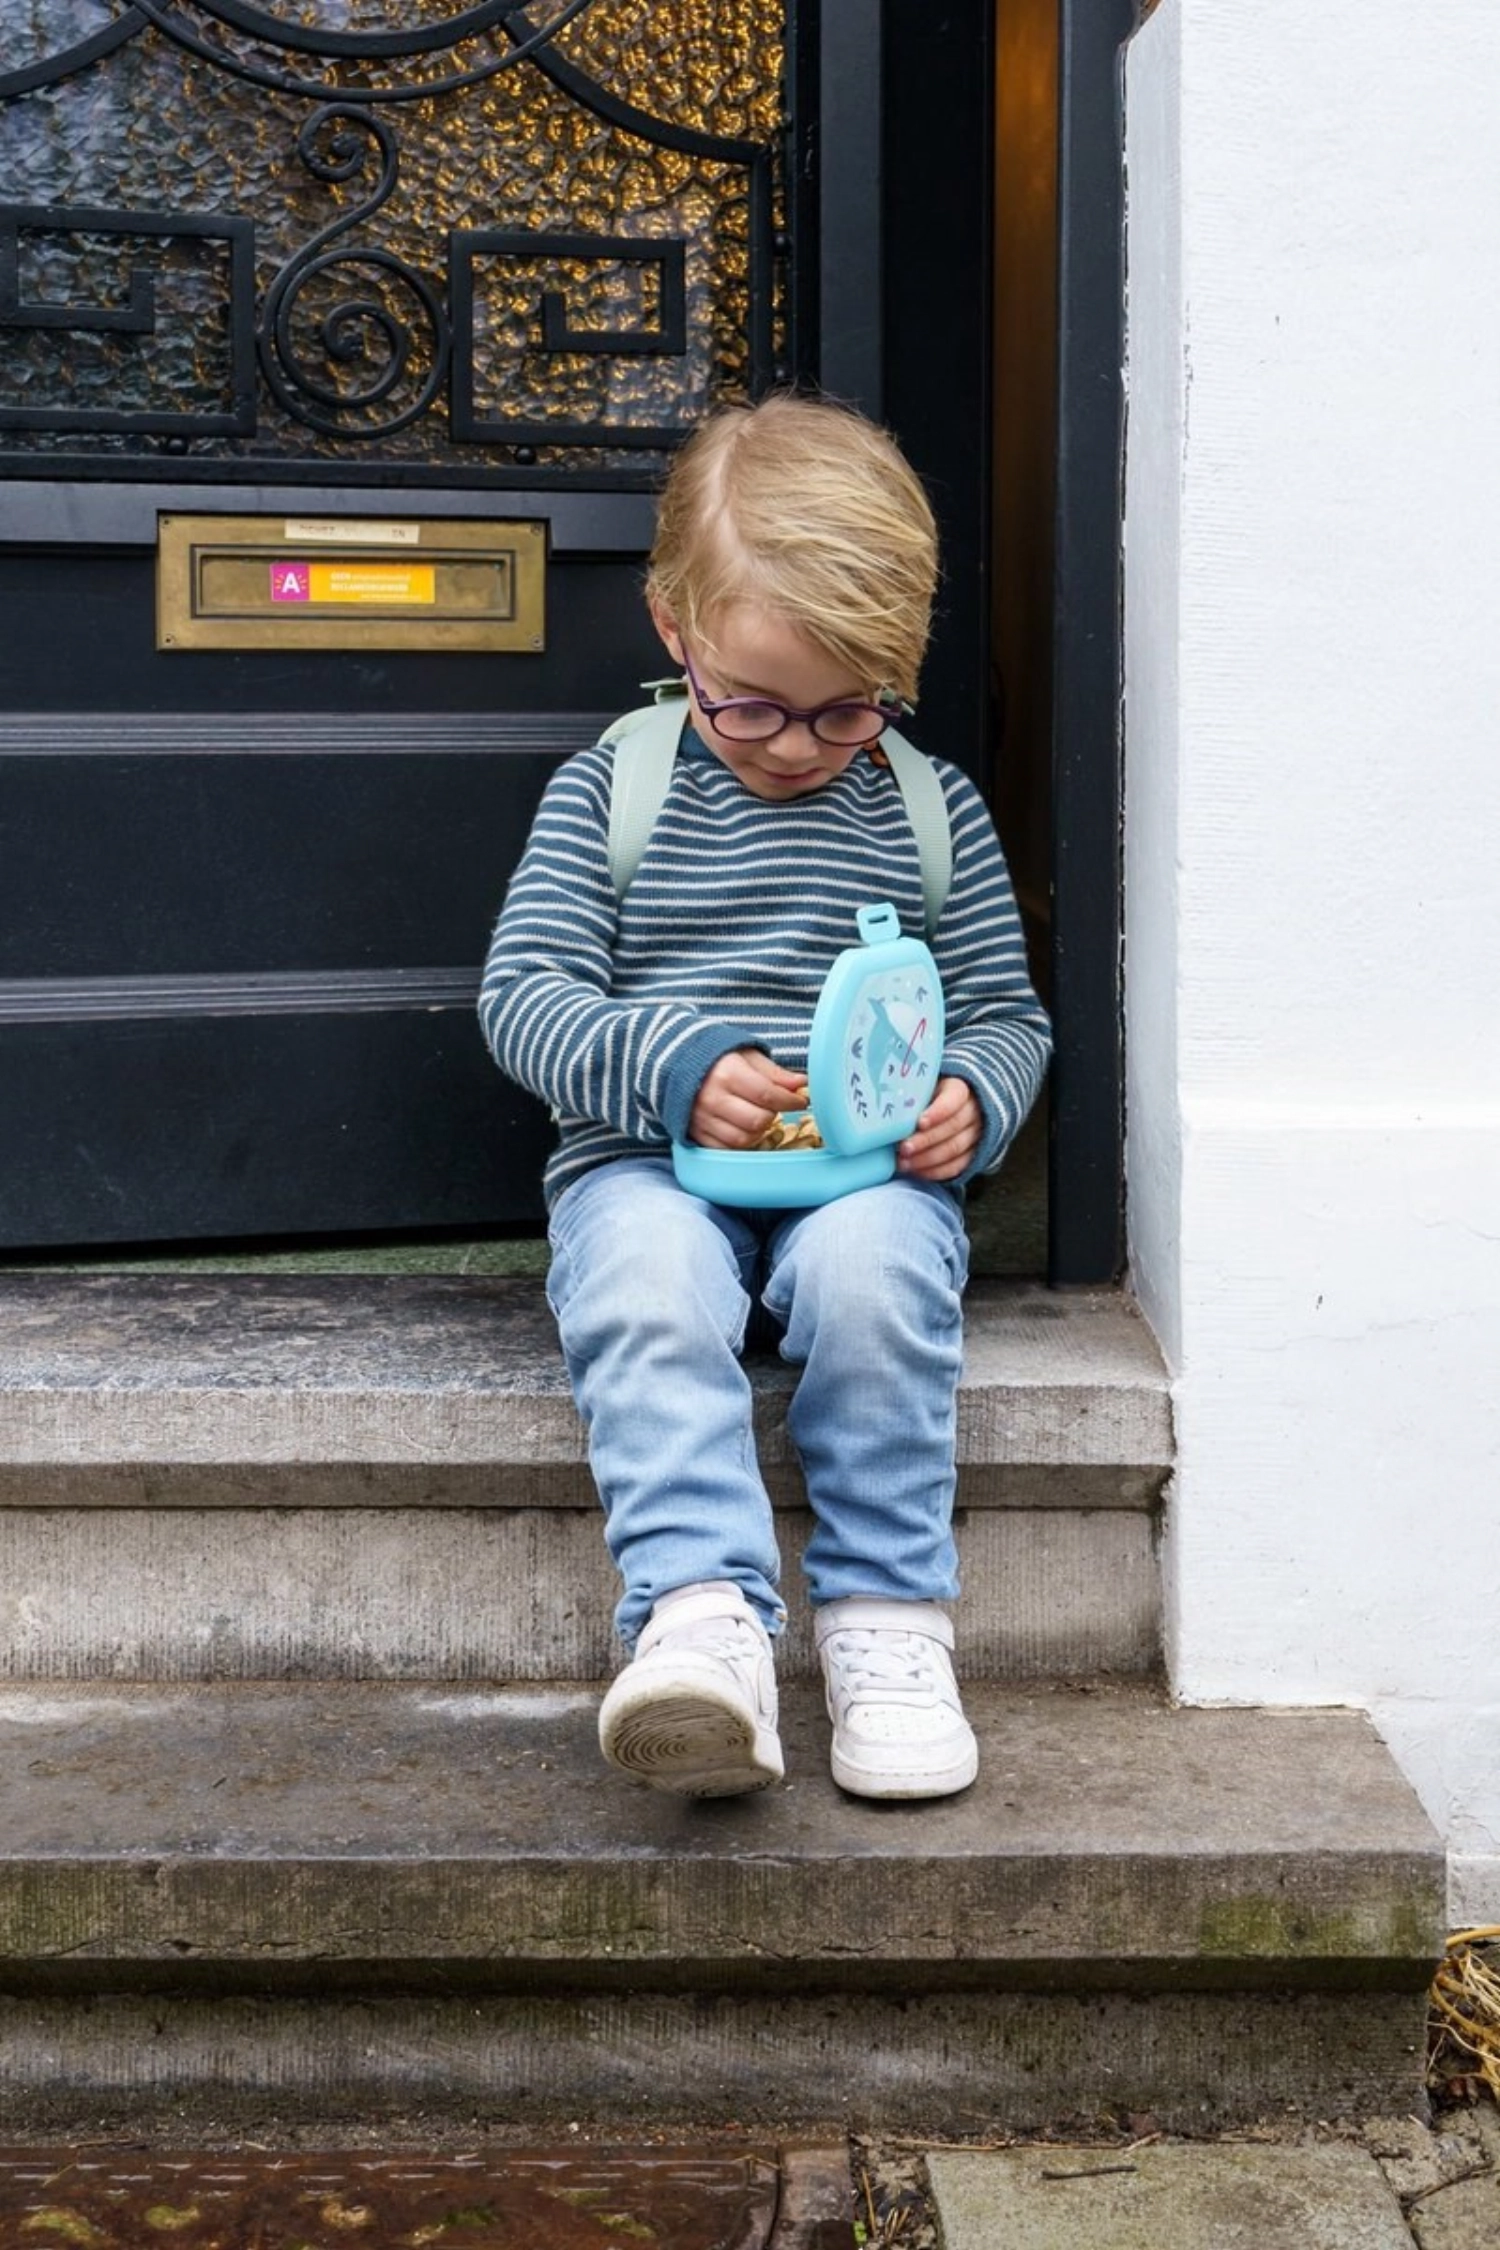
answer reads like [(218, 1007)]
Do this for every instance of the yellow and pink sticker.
[(374, 582)]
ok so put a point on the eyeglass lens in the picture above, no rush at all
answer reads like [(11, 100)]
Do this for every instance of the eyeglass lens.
[(837, 724), (748, 718)]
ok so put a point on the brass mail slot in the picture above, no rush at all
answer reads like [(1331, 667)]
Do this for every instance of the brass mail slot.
[(349, 582)]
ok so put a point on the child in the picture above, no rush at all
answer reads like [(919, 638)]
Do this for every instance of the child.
[(792, 583)]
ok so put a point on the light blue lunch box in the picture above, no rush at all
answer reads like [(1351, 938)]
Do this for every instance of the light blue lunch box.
[(872, 1063)]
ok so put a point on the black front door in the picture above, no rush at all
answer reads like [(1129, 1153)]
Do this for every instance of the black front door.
[(378, 266), (361, 266)]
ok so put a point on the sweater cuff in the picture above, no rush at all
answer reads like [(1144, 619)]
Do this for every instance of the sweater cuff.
[(691, 1065), (995, 1136)]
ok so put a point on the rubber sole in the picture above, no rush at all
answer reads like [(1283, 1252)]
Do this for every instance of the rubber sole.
[(684, 1738), (911, 1782)]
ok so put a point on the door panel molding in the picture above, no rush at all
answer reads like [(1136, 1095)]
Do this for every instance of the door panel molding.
[(34, 513), (199, 734), (336, 992)]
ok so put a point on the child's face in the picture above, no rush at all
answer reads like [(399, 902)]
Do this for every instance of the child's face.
[(759, 653)]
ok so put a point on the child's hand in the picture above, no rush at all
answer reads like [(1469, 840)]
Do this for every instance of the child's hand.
[(948, 1132), (743, 1094)]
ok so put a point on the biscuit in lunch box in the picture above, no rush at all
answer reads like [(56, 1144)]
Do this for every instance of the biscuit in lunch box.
[(791, 1132)]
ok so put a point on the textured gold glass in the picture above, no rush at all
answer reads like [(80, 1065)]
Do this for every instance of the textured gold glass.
[(352, 230)]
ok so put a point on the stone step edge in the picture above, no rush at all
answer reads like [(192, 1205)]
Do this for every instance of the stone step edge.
[(446, 1372), (501, 1593), (385, 1836), (919, 2062)]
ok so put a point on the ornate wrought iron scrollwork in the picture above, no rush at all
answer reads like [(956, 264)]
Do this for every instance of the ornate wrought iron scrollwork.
[(666, 332), (137, 316), (365, 332), (542, 311), (78, 54), (183, 22)]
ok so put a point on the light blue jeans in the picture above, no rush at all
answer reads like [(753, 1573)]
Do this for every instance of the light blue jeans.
[(653, 1288)]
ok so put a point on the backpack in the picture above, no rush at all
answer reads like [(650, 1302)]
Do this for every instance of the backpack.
[(645, 746)]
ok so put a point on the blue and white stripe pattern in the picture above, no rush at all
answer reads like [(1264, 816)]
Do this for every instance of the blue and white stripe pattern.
[(613, 1012)]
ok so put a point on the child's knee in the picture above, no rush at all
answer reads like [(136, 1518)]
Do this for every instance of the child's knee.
[(678, 1257), (655, 1263), (894, 1234), (874, 1263)]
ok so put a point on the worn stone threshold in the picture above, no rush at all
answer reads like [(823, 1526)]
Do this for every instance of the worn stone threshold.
[(118, 1371), (353, 1476), (264, 1837)]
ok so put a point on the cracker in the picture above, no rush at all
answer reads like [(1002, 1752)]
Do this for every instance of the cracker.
[(797, 1131)]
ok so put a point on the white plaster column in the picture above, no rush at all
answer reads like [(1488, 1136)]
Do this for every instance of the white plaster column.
[(1312, 713)]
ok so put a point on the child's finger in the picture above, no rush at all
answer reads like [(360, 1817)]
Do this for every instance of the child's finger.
[(736, 1104), (790, 1086), (947, 1134)]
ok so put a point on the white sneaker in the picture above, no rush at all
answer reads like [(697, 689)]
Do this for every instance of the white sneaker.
[(898, 1724), (695, 1710)]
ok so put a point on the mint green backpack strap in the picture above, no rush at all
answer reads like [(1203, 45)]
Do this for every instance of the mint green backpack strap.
[(645, 746), (927, 810)]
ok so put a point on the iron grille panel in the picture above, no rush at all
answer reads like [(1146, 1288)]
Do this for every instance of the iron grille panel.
[(243, 235)]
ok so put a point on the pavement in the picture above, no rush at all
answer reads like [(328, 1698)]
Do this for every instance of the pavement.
[(1386, 2184), (1395, 2183)]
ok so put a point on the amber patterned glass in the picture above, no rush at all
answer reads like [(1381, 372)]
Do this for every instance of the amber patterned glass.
[(321, 230)]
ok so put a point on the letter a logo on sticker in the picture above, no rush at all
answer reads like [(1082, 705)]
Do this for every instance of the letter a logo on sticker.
[(290, 582)]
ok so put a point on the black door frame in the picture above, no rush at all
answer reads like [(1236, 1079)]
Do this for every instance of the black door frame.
[(1086, 1200), (893, 339)]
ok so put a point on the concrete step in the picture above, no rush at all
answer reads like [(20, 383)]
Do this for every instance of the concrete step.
[(241, 1901), (360, 1476)]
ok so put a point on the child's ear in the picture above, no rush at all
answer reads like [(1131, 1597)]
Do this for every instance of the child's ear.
[(666, 626)]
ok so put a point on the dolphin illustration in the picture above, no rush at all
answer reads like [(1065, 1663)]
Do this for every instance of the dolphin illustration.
[(885, 1042)]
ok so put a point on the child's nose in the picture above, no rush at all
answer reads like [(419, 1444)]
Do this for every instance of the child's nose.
[(794, 740)]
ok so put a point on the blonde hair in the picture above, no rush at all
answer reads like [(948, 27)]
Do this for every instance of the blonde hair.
[(809, 510)]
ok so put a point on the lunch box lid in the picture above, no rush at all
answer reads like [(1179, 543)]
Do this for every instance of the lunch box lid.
[(876, 1042)]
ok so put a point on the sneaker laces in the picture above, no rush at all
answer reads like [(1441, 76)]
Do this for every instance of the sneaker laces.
[(731, 1639), (723, 1630), (901, 1666)]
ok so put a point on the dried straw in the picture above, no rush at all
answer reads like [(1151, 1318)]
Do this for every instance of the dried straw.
[(1465, 2009)]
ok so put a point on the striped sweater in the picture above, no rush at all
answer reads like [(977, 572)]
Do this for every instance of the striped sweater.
[(613, 1012)]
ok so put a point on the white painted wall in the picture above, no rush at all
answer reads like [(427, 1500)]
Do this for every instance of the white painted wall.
[(1312, 569)]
